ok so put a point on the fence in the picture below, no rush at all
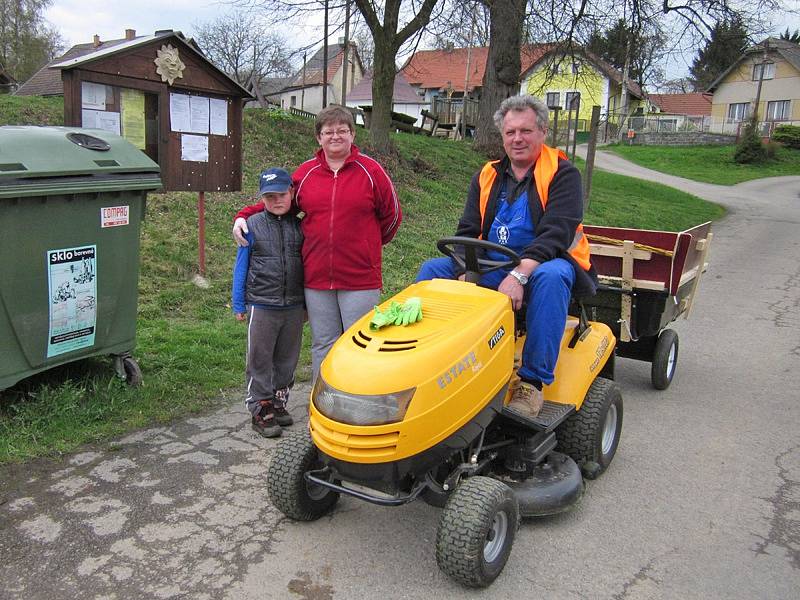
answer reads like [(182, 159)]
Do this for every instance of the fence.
[(711, 127), (447, 110), (302, 113)]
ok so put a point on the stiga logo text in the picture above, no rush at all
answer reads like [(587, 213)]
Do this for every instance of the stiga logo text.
[(498, 335)]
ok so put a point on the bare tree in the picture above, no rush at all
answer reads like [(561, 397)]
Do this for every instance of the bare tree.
[(27, 42), (501, 78), (362, 37), (687, 21), (391, 23), (460, 24), (244, 47), (389, 33)]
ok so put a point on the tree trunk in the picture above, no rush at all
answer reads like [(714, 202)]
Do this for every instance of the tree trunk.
[(501, 78), (382, 88)]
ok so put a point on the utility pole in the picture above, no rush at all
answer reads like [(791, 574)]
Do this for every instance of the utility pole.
[(466, 81), (764, 63), (344, 52), (303, 89), (325, 61)]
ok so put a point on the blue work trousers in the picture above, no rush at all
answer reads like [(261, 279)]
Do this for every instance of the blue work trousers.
[(547, 295)]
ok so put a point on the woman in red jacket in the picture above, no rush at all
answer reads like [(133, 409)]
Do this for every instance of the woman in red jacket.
[(350, 211)]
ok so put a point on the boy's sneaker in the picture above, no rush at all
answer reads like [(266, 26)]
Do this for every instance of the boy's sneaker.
[(282, 416), (264, 423)]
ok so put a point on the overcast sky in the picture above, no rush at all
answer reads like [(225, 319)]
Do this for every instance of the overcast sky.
[(79, 20)]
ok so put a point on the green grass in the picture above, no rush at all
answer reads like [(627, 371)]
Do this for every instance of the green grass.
[(190, 347), (709, 164), (31, 110)]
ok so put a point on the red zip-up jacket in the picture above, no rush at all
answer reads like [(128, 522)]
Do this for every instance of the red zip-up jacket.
[(349, 216)]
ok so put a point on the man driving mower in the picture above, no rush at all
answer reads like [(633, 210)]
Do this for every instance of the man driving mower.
[(530, 201)]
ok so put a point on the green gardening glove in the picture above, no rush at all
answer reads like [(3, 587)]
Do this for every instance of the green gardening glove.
[(387, 317), (410, 312)]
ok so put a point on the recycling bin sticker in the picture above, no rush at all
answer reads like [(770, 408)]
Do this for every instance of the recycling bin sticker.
[(72, 285)]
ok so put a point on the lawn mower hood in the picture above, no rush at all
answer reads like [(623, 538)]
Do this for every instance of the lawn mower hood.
[(390, 394)]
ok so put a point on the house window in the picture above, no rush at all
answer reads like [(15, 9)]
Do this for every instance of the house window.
[(570, 101), (293, 101), (778, 110), (553, 99), (575, 68), (767, 68), (738, 112)]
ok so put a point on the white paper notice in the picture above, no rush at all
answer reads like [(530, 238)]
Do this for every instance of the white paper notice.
[(219, 116), (93, 95), (179, 112), (198, 114), (98, 119), (194, 148)]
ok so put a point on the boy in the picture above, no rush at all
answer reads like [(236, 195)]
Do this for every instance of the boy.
[(268, 279)]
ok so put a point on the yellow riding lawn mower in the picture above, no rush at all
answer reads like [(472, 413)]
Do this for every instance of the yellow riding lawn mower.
[(420, 411)]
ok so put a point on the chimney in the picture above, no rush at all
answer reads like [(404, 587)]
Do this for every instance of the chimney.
[(130, 34), (96, 40)]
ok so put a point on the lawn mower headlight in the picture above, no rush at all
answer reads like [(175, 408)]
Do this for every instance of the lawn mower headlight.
[(357, 409)]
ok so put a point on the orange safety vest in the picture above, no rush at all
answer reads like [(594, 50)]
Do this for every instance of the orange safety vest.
[(543, 173)]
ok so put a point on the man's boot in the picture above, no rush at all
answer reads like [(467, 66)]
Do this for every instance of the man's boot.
[(527, 400)]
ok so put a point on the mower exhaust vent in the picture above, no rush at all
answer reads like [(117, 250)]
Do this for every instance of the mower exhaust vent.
[(361, 340)]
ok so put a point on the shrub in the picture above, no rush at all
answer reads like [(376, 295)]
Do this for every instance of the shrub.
[(788, 135), (749, 148)]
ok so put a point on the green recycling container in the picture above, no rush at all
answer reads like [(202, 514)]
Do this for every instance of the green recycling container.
[(72, 203)]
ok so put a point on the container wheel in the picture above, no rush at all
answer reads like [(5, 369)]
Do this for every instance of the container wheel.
[(476, 531), (665, 359), (289, 491), (133, 374), (591, 435)]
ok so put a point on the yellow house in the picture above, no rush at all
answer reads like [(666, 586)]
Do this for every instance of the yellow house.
[(559, 77), (773, 63)]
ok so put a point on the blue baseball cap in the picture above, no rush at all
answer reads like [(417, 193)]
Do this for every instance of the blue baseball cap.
[(274, 180)]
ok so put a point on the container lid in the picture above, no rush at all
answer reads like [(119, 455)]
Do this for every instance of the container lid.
[(46, 160)]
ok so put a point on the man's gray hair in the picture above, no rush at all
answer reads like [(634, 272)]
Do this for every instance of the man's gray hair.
[(520, 103)]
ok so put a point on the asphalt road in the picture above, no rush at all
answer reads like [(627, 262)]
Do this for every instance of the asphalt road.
[(702, 500)]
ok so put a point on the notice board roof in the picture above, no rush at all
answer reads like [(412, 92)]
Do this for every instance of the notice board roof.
[(127, 45)]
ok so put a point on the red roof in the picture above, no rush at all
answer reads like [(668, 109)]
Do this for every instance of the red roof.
[(445, 69), (313, 74), (694, 104)]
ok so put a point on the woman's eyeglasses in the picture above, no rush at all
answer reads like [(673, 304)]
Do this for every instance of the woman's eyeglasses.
[(337, 132)]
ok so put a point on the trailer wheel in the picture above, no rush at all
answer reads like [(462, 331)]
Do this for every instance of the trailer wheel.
[(665, 359), (591, 435), (476, 531), (289, 491)]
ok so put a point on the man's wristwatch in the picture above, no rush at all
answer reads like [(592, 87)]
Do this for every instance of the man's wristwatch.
[(521, 277)]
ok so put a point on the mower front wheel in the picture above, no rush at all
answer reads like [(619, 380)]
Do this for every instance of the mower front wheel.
[(288, 489), (476, 531), (590, 436)]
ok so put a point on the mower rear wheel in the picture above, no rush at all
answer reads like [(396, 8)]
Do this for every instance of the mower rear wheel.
[(289, 491), (591, 435), (476, 531), (665, 359)]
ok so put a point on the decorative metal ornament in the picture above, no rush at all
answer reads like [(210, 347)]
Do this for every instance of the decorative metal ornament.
[(168, 64)]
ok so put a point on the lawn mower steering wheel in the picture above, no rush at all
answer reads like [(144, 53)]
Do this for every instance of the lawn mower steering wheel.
[(474, 265)]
